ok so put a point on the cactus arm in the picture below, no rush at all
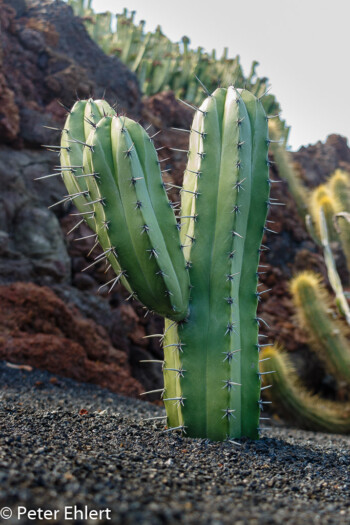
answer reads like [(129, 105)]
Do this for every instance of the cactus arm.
[(127, 208), (72, 156), (295, 403), (164, 230), (80, 121)]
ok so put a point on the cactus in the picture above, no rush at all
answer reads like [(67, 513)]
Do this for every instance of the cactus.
[(322, 199), (223, 228), (119, 191), (211, 345), (340, 189), (286, 169), (164, 65), (327, 336), (295, 403)]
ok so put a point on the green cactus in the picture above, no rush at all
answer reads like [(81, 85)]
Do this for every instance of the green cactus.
[(327, 335), (211, 346), (340, 189), (119, 189), (295, 403), (215, 351)]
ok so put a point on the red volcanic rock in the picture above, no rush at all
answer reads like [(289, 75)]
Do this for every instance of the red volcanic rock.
[(38, 329), (9, 112)]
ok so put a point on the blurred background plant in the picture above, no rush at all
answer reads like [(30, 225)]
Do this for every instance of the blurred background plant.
[(162, 65)]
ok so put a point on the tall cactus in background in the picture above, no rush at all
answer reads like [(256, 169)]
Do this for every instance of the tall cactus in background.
[(211, 345)]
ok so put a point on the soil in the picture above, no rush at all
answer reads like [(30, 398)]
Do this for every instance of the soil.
[(65, 445)]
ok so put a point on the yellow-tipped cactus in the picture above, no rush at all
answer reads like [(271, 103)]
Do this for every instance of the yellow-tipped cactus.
[(294, 402), (327, 334), (339, 185), (322, 199)]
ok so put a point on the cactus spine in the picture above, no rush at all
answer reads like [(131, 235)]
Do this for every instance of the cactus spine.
[(211, 346)]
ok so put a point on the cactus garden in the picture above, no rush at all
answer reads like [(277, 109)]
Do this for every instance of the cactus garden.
[(175, 283)]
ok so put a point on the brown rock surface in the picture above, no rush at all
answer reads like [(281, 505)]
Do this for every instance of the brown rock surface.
[(47, 54), (38, 329)]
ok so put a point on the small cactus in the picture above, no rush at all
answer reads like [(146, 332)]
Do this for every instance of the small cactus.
[(339, 185), (295, 403), (211, 342), (326, 335)]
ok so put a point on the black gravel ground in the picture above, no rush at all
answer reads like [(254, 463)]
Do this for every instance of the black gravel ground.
[(108, 462)]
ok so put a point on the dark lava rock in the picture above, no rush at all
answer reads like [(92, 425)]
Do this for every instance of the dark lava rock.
[(318, 161), (52, 56)]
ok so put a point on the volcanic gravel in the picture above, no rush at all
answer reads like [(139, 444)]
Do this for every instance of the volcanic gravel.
[(73, 447)]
